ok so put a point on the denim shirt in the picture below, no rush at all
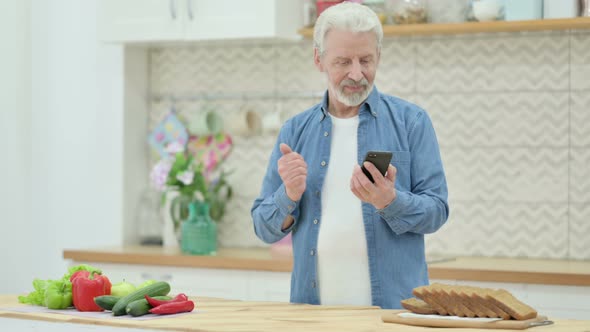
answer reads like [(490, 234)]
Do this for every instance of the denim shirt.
[(395, 234)]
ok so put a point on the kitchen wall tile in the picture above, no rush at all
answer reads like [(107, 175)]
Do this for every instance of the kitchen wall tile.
[(503, 229), (237, 228), (248, 162), (499, 119), (506, 174), (397, 68), (290, 107), (579, 228), (580, 118), (296, 71), (532, 63), (206, 70), (579, 173), (580, 61)]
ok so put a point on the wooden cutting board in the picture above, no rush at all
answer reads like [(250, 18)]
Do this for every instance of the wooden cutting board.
[(393, 317)]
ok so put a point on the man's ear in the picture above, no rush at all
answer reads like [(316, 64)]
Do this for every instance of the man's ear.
[(317, 60)]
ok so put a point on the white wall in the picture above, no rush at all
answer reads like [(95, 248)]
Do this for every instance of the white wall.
[(15, 143), (65, 188)]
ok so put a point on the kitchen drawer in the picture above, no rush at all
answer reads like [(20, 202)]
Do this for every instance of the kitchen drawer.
[(222, 283), (559, 297)]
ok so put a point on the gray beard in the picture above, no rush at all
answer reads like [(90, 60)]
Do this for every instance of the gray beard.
[(354, 99)]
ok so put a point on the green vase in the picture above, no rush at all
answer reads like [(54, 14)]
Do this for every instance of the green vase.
[(199, 231)]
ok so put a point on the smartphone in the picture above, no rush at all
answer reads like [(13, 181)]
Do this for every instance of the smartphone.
[(380, 159)]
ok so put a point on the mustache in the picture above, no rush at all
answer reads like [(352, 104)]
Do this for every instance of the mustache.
[(352, 83)]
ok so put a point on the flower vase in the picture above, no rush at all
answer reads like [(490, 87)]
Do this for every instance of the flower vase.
[(174, 212), (199, 231)]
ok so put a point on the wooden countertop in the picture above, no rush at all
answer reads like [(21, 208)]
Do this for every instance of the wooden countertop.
[(225, 315), (512, 270)]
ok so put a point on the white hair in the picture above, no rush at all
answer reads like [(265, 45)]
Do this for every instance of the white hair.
[(347, 16)]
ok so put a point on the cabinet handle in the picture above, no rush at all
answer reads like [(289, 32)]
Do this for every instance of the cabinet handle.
[(173, 9), (189, 5)]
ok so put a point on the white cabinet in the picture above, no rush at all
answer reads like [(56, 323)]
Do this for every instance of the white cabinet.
[(196, 20), (221, 283)]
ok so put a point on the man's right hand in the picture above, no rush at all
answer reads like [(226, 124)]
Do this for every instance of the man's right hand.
[(293, 172)]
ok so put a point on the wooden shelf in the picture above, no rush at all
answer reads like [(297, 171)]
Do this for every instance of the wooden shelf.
[(577, 23)]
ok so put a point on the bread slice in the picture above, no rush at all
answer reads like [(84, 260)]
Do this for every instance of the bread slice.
[(418, 306), (459, 293), (441, 297), (424, 294), (482, 309), (511, 305), (455, 304), (481, 296)]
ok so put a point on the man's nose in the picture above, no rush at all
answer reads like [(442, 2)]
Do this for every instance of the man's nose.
[(356, 71)]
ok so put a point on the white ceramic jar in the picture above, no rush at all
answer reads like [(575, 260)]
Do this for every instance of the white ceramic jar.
[(487, 10)]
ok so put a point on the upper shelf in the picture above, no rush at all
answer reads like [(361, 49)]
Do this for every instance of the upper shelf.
[(477, 27)]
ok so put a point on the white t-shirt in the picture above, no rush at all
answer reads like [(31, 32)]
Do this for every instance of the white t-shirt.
[(343, 264)]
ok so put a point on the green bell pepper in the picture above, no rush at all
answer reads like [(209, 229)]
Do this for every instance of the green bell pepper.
[(58, 294)]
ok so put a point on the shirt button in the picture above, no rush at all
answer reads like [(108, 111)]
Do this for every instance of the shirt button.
[(312, 252), (317, 193), (323, 163), (313, 284), (315, 221), (326, 133), (374, 114)]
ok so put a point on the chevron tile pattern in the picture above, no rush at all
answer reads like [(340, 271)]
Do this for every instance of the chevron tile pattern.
[(580, 176), (579, 245), (499, 119), (189, 71), (506, 174), (580, 118), (580, 61), (397, 66), (296, 70), (503, 229), (511, 112), (537, 62)]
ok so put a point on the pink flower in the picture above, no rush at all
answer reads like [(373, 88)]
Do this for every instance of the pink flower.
[(159, 174)]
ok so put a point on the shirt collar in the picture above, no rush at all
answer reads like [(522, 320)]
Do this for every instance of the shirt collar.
[(371, 104)]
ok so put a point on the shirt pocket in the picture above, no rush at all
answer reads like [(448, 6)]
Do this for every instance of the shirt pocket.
[(401, 160)]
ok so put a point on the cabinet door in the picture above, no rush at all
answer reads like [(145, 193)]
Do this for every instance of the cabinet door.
[(235, 19), (141, 20)]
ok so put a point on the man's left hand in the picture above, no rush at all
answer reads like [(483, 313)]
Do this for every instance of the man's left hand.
[(381, 193)]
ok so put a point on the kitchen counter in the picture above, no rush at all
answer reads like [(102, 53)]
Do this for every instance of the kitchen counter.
[(225, 315), (510, 270)]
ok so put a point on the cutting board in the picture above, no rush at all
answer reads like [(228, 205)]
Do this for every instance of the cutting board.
[(393, 317)]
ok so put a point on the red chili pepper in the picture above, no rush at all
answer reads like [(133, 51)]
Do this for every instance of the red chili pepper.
[(173, 308), (85, 289), (155, 302)]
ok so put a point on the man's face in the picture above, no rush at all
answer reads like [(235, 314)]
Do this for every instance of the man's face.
[(350, 63)]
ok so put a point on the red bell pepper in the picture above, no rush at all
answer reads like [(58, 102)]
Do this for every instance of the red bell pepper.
[(86, 274), (86, 287), (155, 302), (173, 308)]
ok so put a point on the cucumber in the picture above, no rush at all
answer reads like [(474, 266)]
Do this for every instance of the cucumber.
[(142, 307), (159, 288), (107, 302)]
